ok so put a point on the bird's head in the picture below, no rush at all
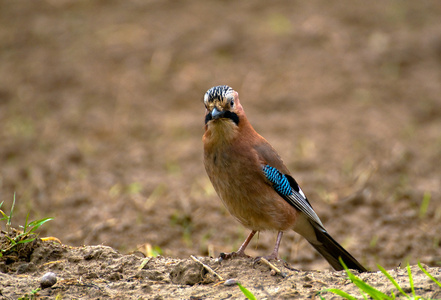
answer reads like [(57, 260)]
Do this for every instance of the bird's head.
[(222, 103)]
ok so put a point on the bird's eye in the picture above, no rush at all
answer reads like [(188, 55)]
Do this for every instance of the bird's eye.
[(232, 103)]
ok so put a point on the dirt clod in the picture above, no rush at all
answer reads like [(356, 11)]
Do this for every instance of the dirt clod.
[(189, 273)]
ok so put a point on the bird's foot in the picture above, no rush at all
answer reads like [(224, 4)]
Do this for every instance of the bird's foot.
[(233, 255), (272, 256)]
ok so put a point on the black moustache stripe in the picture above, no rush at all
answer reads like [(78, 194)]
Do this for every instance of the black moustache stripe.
[(226, 115), (232, 116)]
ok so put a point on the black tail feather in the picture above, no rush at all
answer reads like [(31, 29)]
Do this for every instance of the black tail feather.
[(331, 251)]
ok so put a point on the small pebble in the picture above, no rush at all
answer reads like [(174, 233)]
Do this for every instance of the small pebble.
[(230, 282), (48, 280)]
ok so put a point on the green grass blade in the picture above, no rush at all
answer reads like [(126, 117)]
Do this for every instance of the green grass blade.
[(392, 280), (425, 204), (409, 272), (429, 275), (363, 286), (19, 236), (25, 227), (9, 223), (12, 241), (246, 292), (370, 290), (38, 223), (364, 295), (25, 241), (5, 216), (340, 293)]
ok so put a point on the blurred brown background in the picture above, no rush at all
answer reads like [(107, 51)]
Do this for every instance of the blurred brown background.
[(101, 119)]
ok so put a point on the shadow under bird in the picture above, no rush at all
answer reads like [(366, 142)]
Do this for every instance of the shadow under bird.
[(255, 185)]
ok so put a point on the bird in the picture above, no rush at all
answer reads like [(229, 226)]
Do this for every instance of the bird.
[(254, 184)]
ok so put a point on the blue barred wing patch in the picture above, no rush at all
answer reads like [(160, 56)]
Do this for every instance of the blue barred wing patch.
[(291, 192), (279, 180)]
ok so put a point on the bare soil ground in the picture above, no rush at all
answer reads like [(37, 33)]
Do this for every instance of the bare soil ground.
[(100, 272), (101, 119)]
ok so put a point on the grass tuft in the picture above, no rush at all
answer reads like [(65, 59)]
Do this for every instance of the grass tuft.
[(17, 237), (369, 292)]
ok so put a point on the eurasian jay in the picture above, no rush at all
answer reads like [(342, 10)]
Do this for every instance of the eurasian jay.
[(254, 184)]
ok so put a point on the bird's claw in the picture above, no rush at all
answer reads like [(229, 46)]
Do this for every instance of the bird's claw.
[(232, 255), (268, 258)]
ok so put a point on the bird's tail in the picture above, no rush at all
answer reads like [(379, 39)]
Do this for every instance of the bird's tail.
[(331, 251)]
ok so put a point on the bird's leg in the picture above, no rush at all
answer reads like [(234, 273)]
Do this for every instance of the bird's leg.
[(275, 253), (241, 251)]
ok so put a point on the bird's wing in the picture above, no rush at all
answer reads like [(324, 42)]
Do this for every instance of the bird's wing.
[(282, 182), (268, 156), (290, 191)]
